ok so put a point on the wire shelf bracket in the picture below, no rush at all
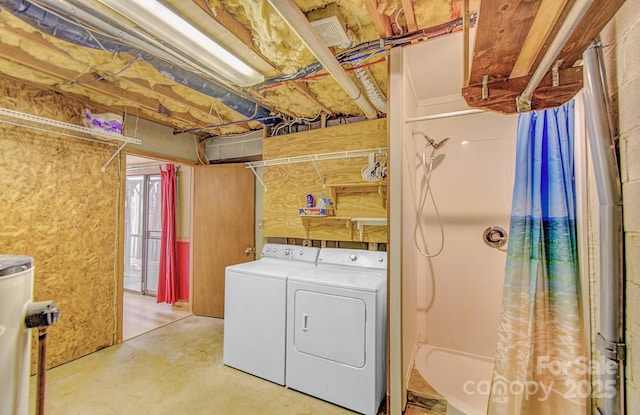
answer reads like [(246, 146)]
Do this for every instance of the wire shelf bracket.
[(47, 125), (312, 158)]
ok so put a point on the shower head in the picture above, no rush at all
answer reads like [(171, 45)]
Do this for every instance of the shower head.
[(426, 137), (431, 141), (441, 144)]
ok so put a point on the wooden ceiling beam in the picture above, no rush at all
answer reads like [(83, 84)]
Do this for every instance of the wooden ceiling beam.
[(502, 28), (381, 21), (70, 76), (409, 15), (256, 95), (91, 85), (548, 15), (70, 79), (502, 94), (226, 19), (303, 88), (151, 101)]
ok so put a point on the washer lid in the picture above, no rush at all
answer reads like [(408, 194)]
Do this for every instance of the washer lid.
[(13, 264), (270, 267)]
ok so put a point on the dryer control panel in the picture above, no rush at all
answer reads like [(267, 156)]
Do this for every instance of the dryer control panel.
[(358, 258)]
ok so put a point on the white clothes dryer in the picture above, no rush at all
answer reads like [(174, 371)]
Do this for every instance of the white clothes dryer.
[(255, 309), (336, 319)]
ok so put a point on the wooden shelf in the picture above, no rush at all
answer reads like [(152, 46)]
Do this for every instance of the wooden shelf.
[(354, 188), (307, 219), (347, 222), (362, 222)]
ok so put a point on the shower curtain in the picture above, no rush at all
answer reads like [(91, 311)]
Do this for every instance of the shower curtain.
[(541, 366), (168, 283)]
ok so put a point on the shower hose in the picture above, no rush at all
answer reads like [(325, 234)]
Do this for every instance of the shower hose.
[(419, 231)]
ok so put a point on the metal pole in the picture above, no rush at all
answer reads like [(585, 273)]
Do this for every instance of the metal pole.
[(42, 369), (604, 161), (577, 12)]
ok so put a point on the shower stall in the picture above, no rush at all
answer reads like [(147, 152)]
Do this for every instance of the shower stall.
[(455, 216), (458, 293)]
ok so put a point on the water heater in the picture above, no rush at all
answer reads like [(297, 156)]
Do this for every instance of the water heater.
[(16, 291)]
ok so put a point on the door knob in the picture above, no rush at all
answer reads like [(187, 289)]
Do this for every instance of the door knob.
[(248, 250)]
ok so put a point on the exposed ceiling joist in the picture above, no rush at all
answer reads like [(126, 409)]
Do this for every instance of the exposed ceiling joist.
[(381, 21), (303, 88), (511, 40), (409, 15)]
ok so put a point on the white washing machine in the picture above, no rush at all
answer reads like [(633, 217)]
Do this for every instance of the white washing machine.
[(255, 304), (336, 319)]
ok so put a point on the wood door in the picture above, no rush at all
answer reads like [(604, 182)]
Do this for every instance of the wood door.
[(223, 227)]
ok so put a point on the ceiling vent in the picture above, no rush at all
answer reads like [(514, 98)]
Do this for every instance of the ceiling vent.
[(330, 26), (330, 31)]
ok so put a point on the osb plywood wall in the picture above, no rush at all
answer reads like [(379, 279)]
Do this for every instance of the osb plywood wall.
[(287, 185), (59, 208)]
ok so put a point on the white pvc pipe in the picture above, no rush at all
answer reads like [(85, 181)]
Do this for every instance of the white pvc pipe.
[(298, 22), (574, 17)]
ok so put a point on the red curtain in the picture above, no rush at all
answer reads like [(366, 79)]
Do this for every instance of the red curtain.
[(167, 277)]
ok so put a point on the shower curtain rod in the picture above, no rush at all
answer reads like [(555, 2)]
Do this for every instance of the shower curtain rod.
[(443, 115), (577, 12)]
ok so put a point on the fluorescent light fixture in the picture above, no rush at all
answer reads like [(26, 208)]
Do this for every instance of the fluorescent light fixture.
[(156, 19)]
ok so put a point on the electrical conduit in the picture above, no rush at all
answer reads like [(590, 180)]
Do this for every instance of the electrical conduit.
[(611, 336)]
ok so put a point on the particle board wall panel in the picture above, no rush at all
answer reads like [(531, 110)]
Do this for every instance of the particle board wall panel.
[(58, 207), (287, 185)]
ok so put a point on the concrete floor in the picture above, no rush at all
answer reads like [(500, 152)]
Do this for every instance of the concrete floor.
[(175, 369)]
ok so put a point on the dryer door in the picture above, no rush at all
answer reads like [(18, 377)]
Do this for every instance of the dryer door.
[(330, 326)]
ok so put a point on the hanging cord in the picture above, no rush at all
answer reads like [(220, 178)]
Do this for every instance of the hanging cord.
[(427, 170)]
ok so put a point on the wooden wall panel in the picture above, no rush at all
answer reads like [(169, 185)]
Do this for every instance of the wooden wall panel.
[(287, 185), (58, 207)]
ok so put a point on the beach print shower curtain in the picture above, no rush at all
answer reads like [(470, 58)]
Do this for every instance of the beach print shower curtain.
[(540, 365)]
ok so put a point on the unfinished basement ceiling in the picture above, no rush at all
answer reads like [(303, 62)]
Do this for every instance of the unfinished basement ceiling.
[(35, 48), (83, 48)]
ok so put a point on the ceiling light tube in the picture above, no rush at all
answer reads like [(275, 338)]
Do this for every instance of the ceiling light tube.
[(156, 19)]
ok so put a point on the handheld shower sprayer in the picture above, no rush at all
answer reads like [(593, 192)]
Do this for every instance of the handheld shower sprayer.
[(428, 164), (431, 141)]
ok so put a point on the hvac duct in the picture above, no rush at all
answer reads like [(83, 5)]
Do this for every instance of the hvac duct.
[(62, 29)]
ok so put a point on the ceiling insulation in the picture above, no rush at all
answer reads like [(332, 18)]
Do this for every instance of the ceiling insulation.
[(129, 84)]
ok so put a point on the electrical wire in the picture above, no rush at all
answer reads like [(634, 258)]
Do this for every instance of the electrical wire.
[(368, 49), (421, 245)]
